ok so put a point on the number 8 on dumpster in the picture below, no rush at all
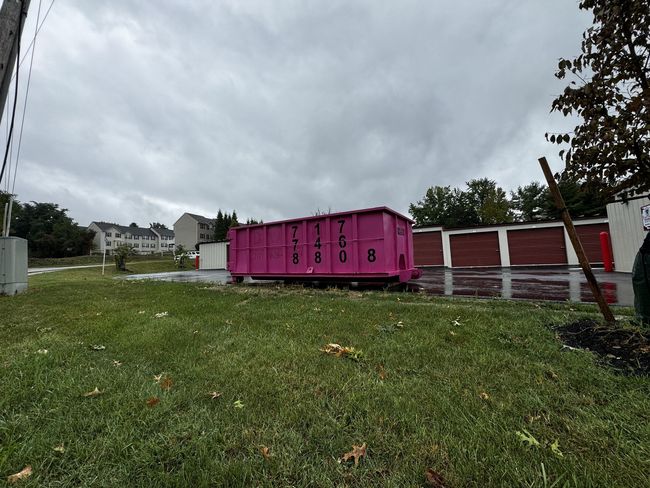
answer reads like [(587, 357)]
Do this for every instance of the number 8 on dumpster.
[(295, 258)]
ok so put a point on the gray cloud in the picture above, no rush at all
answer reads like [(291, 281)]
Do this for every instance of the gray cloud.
[(139, 111)]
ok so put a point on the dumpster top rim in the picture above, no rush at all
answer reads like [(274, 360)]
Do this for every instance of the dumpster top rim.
[(318, 217)]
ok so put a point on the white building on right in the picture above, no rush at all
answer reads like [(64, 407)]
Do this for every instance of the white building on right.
[(627, 231)]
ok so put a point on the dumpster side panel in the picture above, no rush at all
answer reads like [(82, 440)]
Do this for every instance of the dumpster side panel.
[(276, 251), (370, 243)]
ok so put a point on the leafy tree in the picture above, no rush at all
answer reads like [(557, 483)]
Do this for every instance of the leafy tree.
[(253, 222), (444, 206), (610, 92), (121, 253), (233, 220), (581, 202), (180, 256), (157, 225), (219, 227), (529, 201), (49, 231), (133, 224), (490, 201)]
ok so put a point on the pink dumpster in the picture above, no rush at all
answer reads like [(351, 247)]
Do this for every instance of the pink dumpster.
[(374, 244)]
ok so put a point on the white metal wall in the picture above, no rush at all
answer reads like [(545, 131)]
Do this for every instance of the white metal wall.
[(626, 231), (213, 255)]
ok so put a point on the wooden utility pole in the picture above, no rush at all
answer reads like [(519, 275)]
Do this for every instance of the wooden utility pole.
[(575, 240), (12, 19)]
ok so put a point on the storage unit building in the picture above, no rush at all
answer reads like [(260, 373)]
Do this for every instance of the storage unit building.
[(517, 244), (427, 248), (627, 230), (213, 255), (475, 249), (537, 246)]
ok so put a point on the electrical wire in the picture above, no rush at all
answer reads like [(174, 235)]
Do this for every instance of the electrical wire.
[(38, 29), (13, 112), (29, 78)]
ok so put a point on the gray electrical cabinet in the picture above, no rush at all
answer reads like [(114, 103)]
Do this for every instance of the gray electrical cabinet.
[(13, 265)]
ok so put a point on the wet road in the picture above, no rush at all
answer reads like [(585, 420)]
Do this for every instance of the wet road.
[(554, 284)]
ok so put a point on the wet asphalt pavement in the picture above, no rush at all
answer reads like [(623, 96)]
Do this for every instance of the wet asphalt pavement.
[(553, 284)]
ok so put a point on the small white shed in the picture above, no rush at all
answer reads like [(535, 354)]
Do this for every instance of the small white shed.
[(213, 255), (627, 231)]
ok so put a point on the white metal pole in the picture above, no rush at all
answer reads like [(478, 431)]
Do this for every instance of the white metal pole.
[(4, 220), (8, 224), (104, 248)]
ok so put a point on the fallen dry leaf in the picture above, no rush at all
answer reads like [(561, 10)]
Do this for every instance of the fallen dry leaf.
[(435, 479), (117, 363), (161, 315), (60, 448), (153, 401), (97, 347), (214, 395), (96, 392), (357, 452), (266, 452), (157, 377), (25, 473), (238, 404), (484, 396), (341, 351), (166, 383)]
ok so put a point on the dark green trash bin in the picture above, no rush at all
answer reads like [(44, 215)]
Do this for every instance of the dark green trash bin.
[(641, 282)]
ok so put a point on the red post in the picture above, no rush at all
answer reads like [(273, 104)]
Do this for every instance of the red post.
[(196, 262), (606, 249)]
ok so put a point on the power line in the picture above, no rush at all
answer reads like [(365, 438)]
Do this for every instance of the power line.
[(38, 29), (13, 111), (29, 79)]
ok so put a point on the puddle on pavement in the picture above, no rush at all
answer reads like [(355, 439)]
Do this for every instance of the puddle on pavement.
[(551, 284)]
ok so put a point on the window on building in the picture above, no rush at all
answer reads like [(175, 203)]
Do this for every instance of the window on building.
[(117, 234), (108, 243), (136, 245), (136, 238), (108, 234)]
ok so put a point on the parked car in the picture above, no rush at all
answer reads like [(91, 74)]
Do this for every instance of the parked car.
[(191, 255)]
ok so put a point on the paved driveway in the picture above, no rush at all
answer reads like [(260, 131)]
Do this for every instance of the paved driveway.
[(555, 284)]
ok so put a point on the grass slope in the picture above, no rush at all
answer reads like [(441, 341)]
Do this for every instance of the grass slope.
[(414, 398)]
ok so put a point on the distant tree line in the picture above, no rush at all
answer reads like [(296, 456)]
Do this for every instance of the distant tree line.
[(225, 221), (49, 231), (483, 202)]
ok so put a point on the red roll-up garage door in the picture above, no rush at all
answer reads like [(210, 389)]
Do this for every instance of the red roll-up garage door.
[(476, 249), (590, 238), (427, 248), (537, 246)]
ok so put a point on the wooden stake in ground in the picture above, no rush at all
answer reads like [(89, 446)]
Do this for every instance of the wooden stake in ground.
[(575, 240)]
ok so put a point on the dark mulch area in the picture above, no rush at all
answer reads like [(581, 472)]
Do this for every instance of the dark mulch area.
[(626, 349)]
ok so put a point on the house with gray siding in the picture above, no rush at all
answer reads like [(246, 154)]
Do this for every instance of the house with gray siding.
[(192, 229)]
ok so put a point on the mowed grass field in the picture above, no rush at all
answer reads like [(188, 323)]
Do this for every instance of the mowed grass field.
[(448, 385)]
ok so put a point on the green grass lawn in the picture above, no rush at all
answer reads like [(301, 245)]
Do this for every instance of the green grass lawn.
[(94, 259), (442, 384)]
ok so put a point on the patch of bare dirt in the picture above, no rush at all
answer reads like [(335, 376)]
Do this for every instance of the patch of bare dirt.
[(624, 348)]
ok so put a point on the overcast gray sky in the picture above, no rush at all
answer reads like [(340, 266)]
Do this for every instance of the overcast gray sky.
[(142, 110)]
